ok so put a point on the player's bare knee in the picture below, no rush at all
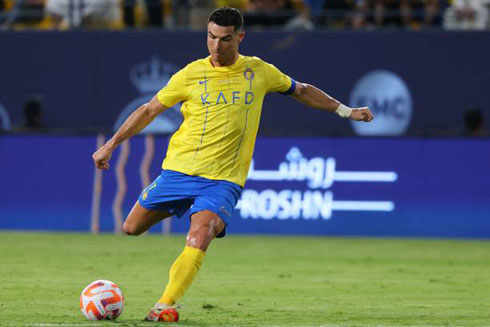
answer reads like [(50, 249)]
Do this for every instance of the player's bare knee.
[(193, 241), (200, 237), (130, 229)]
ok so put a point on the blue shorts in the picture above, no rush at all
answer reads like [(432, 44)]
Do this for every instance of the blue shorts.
[(176, 192)]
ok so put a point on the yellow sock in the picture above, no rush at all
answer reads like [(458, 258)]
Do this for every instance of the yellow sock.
[(182, 273)]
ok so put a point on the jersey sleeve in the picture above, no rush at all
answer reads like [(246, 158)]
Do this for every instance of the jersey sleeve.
[(277, 81), (175, 91)]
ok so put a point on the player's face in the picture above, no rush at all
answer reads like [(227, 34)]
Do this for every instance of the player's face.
[(223, 44)]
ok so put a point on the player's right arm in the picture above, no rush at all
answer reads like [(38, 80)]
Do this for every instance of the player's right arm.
[(312, 96), (138, 120)]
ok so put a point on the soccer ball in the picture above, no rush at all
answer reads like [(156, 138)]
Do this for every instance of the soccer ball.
[(101, 299)]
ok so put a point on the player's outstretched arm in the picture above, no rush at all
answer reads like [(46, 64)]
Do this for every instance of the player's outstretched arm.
[(313, 97), (138, 120)]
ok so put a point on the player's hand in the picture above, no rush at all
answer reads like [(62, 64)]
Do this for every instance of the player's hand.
[(361, 114), (102, 156)]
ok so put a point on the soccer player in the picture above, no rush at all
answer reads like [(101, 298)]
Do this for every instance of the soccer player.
[(208, 158)]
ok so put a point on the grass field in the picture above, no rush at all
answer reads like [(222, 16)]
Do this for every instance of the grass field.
[(251, 281)]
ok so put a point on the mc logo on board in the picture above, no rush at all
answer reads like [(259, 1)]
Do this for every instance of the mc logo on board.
[(388, 97)]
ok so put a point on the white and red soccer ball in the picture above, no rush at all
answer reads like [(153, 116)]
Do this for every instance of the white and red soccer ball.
[(100, 300)]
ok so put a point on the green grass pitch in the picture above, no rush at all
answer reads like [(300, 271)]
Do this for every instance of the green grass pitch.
[(251, 280)]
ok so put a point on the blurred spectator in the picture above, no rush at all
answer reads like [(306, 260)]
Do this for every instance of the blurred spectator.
[(379, 12), (238, 4), (26, 12), (2, 9), (154, 12), (199, 13), (397, 13), (3, 12), (293, 14), (473, 123), (33, 115), (33, 112), (420, 12), (467, 15), (84, 13), (180, 13), (337, 13)]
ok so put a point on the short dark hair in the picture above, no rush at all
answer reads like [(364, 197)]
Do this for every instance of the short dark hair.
[(227, 16)]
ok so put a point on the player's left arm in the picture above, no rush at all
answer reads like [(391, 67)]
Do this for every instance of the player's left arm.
[(138, 120), (313, 97)]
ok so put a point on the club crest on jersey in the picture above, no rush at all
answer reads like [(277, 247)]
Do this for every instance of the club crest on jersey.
[(249, 74)]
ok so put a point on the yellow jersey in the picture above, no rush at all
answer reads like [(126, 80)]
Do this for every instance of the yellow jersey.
[(221, 108)]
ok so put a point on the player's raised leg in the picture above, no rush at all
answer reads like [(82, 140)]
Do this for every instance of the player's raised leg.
[(141, 219), (205, 226)]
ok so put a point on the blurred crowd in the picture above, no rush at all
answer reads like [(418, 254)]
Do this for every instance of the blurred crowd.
[(259, 14)]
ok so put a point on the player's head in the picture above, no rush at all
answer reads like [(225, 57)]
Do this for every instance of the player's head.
[(225, 32)]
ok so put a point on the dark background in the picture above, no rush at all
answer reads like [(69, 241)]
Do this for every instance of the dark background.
[(84, 77)]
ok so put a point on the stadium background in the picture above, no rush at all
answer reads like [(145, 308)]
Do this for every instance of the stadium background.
[(417, 170)]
